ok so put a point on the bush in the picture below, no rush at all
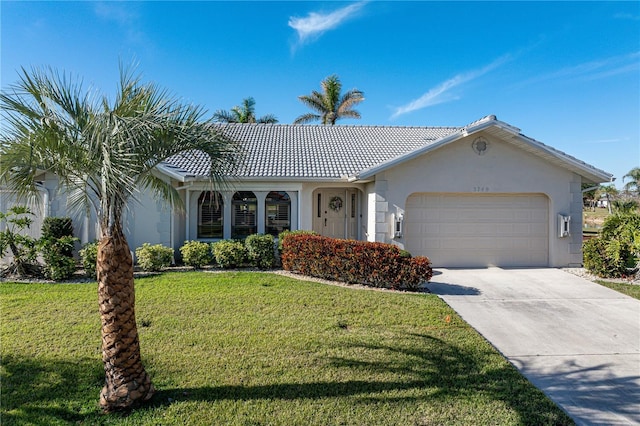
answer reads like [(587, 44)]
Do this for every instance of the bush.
[(58, 264), (58, 227), (261, 250), (367, 263), (56, 245), (23, 248), (89, 258), (154, 257), (285, 234), (196, 254), (616, 249), (229, 253)]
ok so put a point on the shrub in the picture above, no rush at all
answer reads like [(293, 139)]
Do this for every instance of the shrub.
[(261, 250), (154, 257), (196, 254), (58, 227), (56, 245), (604, 258), (373, 264), (89, 258), (414, 271), (58, 264), (616, 248), (23, 248), (285, 234), (229, 253)]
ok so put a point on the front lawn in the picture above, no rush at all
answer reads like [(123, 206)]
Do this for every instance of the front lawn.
[(244, 348), (632, 290)]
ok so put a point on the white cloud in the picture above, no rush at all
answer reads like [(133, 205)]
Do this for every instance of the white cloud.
[(315, 24), (442, 92), (125, 15), (627, 16), (593, 70)]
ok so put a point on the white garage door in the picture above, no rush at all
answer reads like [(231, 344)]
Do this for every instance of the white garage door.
[(476, 230)]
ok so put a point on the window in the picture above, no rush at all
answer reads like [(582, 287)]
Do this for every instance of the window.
[(243, 221), (210, 215), (278, 213)]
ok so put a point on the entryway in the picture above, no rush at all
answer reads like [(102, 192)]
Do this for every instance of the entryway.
[(336, 212)]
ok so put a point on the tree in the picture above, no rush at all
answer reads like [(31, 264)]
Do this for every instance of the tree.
[(103, 151), (329, 105), (634, 180), (243, 114), (608, 191)]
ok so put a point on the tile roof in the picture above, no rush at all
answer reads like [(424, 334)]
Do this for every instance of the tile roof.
[(316, 151), (284, 151)]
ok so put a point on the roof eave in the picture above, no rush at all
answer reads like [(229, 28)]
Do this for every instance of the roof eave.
[(587, 171)]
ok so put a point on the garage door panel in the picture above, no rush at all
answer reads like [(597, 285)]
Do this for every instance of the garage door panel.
[(478, 229)]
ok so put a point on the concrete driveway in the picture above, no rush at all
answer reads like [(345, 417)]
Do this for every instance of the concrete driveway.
[(577, 341)]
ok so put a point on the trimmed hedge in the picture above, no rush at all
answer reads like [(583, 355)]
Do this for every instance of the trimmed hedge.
[(196, 254), (284, 234), (229, 253), (356, 262), (154, 257), (261, 250)]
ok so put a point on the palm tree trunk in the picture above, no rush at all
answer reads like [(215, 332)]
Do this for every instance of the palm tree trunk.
[(126, 381)]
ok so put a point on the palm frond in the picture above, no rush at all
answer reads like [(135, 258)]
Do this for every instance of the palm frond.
[(307, 118), (101, 150), (268, 119)]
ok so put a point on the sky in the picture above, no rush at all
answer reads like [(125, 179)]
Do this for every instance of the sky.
[(566, 73)]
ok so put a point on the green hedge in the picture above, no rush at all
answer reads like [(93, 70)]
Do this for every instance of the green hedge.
[(56, 245), (356, 262), (229, 253), (616, 250), (196, 254), (154, 257), (89, 258), (261, 250)]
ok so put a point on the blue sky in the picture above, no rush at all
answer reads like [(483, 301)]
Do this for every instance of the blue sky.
[(566, 73)]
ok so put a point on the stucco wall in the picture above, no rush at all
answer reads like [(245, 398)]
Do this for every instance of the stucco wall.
[(503, 168)]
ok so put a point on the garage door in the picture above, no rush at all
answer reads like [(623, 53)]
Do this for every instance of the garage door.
[(476, 230)]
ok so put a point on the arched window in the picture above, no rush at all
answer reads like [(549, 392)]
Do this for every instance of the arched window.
[(278, 212), (243, 221), (210, 217)]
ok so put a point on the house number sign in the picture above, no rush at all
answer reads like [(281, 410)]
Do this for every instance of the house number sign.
[(481, 189)]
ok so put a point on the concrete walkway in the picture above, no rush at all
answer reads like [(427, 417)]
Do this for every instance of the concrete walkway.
[(577, 341)]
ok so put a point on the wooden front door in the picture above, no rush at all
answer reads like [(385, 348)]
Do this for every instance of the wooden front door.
[(335, 213)]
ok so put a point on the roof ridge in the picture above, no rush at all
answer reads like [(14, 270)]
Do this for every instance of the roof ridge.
[(337, 126)]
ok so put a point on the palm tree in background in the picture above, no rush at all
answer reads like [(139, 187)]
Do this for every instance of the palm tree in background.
[(103, 151), (634, 180), (243, 114), (329, 104)]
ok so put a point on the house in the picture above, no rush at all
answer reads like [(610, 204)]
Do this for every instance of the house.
[(473, 196)]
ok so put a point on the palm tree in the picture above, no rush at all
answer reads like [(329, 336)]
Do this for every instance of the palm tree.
[(609, 191), (330, 105), (102, 152), (243, 114), (634, 182)]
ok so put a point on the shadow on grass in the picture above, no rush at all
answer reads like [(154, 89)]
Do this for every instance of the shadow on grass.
[(39, 390), (441, 370)]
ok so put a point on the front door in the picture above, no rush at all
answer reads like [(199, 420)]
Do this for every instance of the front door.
[(335, 213)]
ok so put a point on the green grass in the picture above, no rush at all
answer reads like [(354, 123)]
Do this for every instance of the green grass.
[(260, 349), (632, 290)]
